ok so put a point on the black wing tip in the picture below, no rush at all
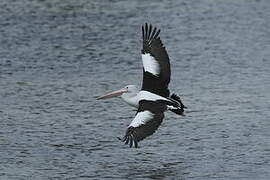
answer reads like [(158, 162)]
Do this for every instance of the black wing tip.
[(150, 32), (150, 35), (131, 141), (129, 138)]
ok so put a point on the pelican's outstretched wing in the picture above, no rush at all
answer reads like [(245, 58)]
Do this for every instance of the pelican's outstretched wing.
[(156, 62), (148, 118)]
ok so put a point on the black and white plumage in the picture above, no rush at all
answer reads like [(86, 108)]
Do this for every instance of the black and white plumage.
[(154, 97), (148, 118), (156, 63)]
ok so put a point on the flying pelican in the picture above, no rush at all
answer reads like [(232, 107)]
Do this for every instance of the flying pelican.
[(154, 97)]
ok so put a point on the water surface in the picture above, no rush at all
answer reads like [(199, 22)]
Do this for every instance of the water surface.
[(56, 56)]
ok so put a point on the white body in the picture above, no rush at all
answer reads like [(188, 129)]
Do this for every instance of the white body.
[(133, 96)]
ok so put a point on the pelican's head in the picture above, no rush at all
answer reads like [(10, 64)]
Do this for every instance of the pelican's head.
[(129, 90)]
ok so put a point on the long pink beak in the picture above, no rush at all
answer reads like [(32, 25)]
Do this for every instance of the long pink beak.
[(113, 94)]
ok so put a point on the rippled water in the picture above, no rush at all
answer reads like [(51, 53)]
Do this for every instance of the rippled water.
[(56, 56)]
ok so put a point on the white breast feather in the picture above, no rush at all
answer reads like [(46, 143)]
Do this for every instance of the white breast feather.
[(150, 64), (141, 118)]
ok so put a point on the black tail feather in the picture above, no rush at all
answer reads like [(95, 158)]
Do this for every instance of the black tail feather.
[(178, 99), (180, 110)]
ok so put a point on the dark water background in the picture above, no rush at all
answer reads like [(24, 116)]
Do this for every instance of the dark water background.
[(55, 56)]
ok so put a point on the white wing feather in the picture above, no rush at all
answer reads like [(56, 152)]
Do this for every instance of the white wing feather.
[(141, 118), (150, 64)]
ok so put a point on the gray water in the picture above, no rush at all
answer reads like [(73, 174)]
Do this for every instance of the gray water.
[(56, 56)]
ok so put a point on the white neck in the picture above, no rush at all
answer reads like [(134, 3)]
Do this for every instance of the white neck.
[(131, 99)]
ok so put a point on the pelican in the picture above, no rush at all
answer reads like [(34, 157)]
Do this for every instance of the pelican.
[(154, 98)]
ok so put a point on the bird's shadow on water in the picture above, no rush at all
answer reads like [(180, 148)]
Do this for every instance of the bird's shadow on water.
[(152, 167), (154, 172)]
